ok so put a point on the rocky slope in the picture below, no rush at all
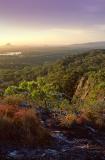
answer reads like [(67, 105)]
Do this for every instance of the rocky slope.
[(88, 144), (90, 87)]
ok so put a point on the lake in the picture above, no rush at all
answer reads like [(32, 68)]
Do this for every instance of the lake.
[(10, 53)]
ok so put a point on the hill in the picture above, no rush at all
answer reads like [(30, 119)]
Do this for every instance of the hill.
[(89, 45), (56, 107)]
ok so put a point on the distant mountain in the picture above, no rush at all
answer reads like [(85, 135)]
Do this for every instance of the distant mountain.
[(8, 44), (79, 47), (90, 45)]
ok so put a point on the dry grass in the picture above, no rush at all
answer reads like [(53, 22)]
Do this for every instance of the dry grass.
[(91, 114), (21, 127), (81, 120), (95, 114), (13, 99), (68, 120), (71, 119)]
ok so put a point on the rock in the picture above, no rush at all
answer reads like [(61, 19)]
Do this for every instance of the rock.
[(51, 153), (16, 155), (78, 154), (91, 129), (65, 146), (24, 105)]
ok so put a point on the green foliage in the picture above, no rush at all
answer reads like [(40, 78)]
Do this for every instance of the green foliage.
[(23, 85), (55, 85), (101, 85), (10, 90), (65, 105)]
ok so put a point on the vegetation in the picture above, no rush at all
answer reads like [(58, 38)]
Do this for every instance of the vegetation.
[(68, 120), (21, 127), (74, 85)]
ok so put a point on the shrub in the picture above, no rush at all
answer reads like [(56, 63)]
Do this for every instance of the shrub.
[(7, 111), (68, 120), (13, 99), (81, 119), (21, 127), (10, 90), (96, 114)]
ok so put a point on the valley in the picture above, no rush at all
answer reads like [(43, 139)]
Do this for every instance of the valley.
[(55, 110)]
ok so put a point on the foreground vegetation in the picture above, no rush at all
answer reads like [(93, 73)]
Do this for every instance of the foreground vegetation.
[(21, 127), (74, 85)]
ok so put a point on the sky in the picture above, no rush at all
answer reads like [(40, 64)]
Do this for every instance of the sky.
[(51, 22)]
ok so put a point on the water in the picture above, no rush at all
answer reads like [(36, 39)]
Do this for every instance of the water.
[(11, 53)]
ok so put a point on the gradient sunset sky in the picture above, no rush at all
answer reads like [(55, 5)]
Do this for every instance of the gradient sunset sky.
[(51, 22)]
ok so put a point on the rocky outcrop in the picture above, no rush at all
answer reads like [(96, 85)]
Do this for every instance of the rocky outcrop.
[(83, 88), (88, 144), (64, 149), (89, 88)]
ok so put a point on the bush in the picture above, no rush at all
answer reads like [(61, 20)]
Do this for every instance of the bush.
[(13, 99), (68, 120), (96, 114), (21, 127), (81, 119)]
